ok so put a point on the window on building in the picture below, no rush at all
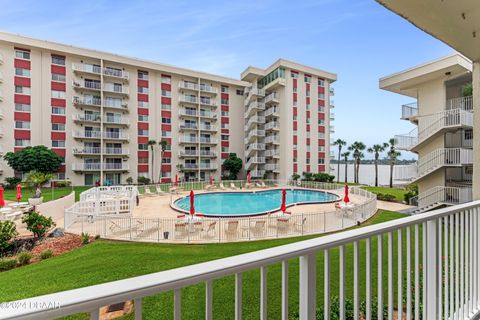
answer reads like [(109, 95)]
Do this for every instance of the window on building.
[(142, 160), (142, 132), (294, 75), (142, 146), (22, 90), (307, 79), (239, 92), (294, 118), (58, 143), (224, 136), (59, 176), (142, 89), (166, 160), (166, 134), (22, 142), (225, 149), (58, 77), (166, 106), (307, 93), (22, 72), (58, 60), (225, 113), (321, 148), (142, 118), (225, 101), (307, 106), (58, 110), (307, 160), (58, 127), (166, 79), (22, 124), (224, 89), (294, 160), (22, 107), (295, 90), (321, 96), (166, 93), (321, 122), (22, 54), (321, 83), (321, 109), (166, 174), (143, 104), (321, 161), (143, 75), (167, 120), (225, 125), (58, 94)]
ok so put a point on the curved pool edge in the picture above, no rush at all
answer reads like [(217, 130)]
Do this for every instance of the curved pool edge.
[(255, 214)]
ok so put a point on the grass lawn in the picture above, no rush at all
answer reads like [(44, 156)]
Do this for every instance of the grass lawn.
[(48, 193), (397, 192), (104, 261)]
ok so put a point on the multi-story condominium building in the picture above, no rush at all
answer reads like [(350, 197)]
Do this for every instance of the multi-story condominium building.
[(99, 111), (443, 133)]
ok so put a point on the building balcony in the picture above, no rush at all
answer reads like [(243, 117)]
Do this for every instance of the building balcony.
[(255, 120), (272, 167), (86, 68), (254, 161), (86, 85), (463, 103), (252, 94), (86, 101), (188, 126), (253, 108), (194, 113), (271, 98), (253, 148), (203, 140), (443, 157), (256, 133), (87, 134), (258, 173), (108, 135), (272, 153), (197, 153), (440, 196), (332, 103), (200, 166), (410, 111), (86, 117), (433, 125), (197, 87), (116, 74), (114, 105), (114, 89), (272, 112), (116, 120), (208, 127), (272, 126), (86, 151), (196, 100), (332, 129), (96, 166), (331, 91), (116, 151), (332, 116), (272, 140)]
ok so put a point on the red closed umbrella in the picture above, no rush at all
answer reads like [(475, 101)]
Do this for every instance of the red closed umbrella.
[(19, 192), (346, 199), (2, 200), (211, 180), (284, 200), (248, 177), (192, 203), (176, 180)]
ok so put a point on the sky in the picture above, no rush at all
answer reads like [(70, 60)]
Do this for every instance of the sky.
[(359, 40)]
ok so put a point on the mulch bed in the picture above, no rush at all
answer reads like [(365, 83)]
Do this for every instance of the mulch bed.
[(58, 245)]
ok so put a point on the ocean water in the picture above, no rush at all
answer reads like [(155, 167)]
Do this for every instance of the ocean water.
[(366, 174)]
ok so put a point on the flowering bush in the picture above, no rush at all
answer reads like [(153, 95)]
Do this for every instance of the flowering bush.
[(37, 223)]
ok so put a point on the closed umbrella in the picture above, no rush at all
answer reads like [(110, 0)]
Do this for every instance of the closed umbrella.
[(248, 177), (284, 201), (176, 180), (346, 199), (211, 180), (2, 200), (19, 192), (192, 203)]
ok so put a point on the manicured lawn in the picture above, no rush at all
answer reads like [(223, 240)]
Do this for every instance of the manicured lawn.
[(398, 193), (48, 193), (104, 261)]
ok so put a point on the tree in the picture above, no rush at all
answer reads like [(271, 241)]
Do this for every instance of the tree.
[(233, 165), (37, 158), (340, 143), (345, 156), (376, 149), (357, 147), (152, 143), (36, 179), (393, 154), (163, 147)]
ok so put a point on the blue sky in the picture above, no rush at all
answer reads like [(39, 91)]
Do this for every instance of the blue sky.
[(359, 40)]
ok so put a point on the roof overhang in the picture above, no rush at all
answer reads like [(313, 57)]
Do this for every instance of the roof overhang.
[(455, 22), (406, 82)]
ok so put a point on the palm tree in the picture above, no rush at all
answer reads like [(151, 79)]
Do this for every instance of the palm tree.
[(345, 156), (393, 154), (376, 149), (340, 143), (152, 143), (357, 147), (163, 145)]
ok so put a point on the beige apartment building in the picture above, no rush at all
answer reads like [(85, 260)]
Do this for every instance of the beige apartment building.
[(443, 134), (99, 110)]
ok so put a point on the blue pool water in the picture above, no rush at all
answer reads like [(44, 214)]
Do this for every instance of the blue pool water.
[(249, 203)]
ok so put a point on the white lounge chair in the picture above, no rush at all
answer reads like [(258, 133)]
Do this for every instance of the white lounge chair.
[(159, 190), (210, 228), (180, 230), (258, 228), (232, 228), (300, 225), (263, 185), (249, 185), (232, 186), (148, 192), (222, 187)]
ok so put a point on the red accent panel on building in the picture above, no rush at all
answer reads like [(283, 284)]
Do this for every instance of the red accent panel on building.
[(21, 116), (321, 116), (166, 127), (308, 127), (58, 119), (321, 103), (308, 141), (321, 90), (225, 108), (224, 120), (307, 100), (166, 100), (166, 86), (295, 97), (295, 139), (294, 125), (225, 131), (225, 155), (24, 82), (142, 140), (321, 155), (143, 168), (58, 135), (22, 64), (307, 87), (321, 168), (21, 134), (308, 154), (295, 153), (58, 102), (168, 140), (62, 167), (21, 98), (142, 111), (225, 144), (58, 69), (142, 83), (167, 154), (308, 114), (295, 168), (166, 114), (60, 152), (18, 149), (307, 168), (321, 142), (321, 129), (142, 153), (143, 125), (166, 180), (58, 86), (295, 83), (166, 167), (295, 111), (224, 95), (142, 97)]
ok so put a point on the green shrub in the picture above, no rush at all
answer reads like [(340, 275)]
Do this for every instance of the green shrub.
[(385, 196), (85, 238), (63, 183), (37, 223), (8, 231), (11, 182), (412, 191), (129, 180), (323, 177), (295, 176), (24, 258), (46, 254), (143, 180), (334, 310), (7, 264), (374, 309)]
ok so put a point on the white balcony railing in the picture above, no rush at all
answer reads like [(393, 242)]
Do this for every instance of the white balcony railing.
[(272, 97), (272, 112), (188, 126), (254, 161), (272, 153), (272, 139), (409, 110), (90, 85), (88, 101), (464, 103), (444, 157), (272, 167), (113, 88), (87, 134), (194, 86), (441, 195), (254, 107), (96, 166), (86, 117), (116, 120), (272, 125), (207, 127), (116, 135), (114, 73), (116, 151), (197, 153)]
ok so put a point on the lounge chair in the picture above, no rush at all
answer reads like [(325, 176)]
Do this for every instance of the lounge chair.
[(283, 224), (232, 227), (258, 228), (232, 186), (159, 190), (263, 185), (222, 187), (300, 225), (180, 230), (249, 185), (148, 192), (210, 228)]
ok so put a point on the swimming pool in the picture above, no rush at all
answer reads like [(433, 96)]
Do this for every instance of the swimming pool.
[(224, 204)]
